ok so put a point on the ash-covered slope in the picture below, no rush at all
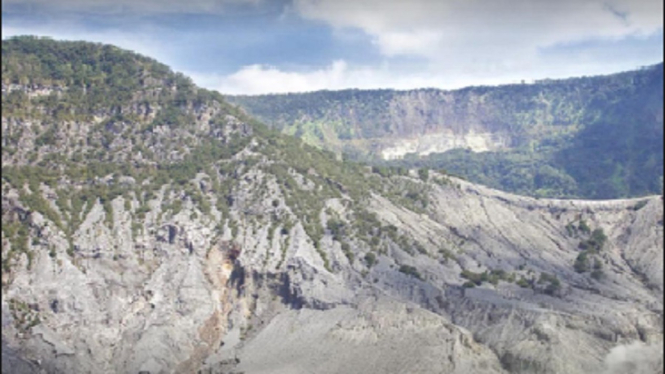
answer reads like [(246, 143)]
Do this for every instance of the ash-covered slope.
[(179, 236)]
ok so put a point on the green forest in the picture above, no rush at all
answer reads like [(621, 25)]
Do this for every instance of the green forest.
[(590, 137)]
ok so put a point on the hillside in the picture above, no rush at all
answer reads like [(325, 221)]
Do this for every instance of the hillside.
[(149, 226), (591, 137)]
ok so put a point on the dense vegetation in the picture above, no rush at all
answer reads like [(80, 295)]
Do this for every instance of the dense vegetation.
[(90, 77), (591, 137), (90, 124), (81, 131), (522, 172)]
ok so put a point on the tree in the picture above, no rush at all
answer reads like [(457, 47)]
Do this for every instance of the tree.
[(582, 262), (423, 173), (370, 259)]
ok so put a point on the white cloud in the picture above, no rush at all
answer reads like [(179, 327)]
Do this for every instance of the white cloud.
[(417, 42), (485, 34), (260, 79), (255, 79), (455, 43)]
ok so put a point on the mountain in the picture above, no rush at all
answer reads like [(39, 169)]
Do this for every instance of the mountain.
[(592, 137), (148, 226)]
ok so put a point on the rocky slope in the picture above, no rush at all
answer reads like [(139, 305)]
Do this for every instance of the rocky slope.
[(214, 245)]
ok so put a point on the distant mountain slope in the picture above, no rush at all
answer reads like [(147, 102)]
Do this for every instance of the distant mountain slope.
[(150, 227), (537, 139)]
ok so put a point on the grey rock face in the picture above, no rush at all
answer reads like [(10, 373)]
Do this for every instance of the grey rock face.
[(179, 296), (377, 336)]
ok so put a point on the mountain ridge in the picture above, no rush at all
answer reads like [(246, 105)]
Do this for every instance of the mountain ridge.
[(514, 131), (191, 238)]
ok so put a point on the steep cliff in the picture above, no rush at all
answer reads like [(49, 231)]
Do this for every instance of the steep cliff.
[(610, 124), (170, 233)]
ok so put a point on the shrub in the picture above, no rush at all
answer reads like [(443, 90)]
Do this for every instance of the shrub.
[(599, 238), (472, 277), (597, 272), (346, 248), (447, 254), (554, 284), (370, 259), (336, 228), (582, 262), (640, 204), (410, 270), (522, 282), (423, 174), (553, 288)]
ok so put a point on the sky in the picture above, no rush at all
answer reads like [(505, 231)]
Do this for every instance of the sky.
[(278, 46)]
